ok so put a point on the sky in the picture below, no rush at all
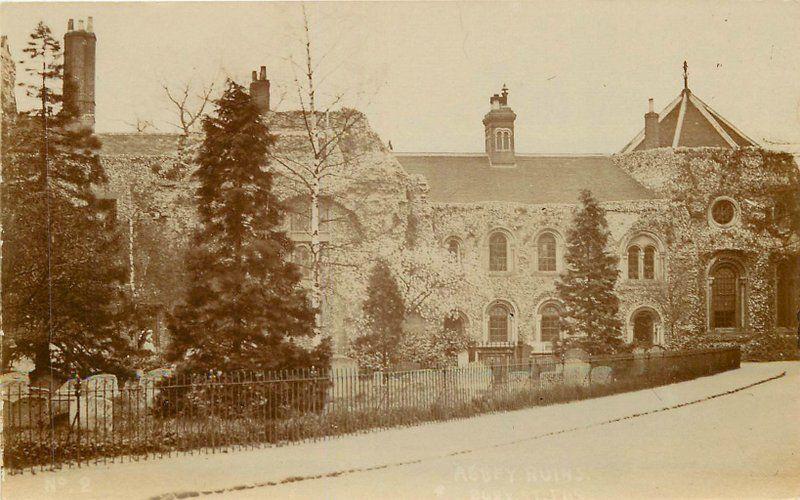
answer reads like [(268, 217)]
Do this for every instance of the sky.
[(579, 74)]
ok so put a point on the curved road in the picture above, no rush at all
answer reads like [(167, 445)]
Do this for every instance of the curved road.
[(744, 444)]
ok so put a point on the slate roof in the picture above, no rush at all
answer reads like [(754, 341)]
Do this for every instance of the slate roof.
[(695, 124), (534, 179)]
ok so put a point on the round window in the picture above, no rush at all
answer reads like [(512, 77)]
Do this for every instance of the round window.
[(723, 211)]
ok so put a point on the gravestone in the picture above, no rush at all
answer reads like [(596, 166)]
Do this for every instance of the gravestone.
[(96, 413), (14, 385), (601, 374), (26, 411), (576, 354), (463, 359), (103, 385)]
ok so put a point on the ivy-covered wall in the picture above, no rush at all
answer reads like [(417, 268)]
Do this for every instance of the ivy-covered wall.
[(523, 285), (764, 190), (386, 213)]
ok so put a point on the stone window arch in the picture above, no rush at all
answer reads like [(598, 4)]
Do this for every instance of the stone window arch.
[(501, 251), (500, 323), (726, 295), (644, 257), (548, 324), (549, 251), (456, 322), (787, 290), (502, 139), (454, 247)]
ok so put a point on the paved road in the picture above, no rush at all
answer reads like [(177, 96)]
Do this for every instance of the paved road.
[(741, 445)]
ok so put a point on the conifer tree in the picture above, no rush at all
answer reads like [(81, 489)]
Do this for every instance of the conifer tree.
[(590, 319), (384, 312), (64, 302), (244, 308)]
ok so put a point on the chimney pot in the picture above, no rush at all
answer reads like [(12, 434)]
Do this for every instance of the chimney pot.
[(80, 25), (259, 89), (652, 138), (89, 24), (71, 25)]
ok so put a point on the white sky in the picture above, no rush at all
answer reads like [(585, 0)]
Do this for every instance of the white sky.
[(579, 74)]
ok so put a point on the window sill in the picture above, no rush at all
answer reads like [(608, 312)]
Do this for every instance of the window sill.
[(642, 282)]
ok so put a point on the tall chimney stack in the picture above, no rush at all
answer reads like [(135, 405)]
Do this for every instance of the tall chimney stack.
[(259, 90), (651, 137), (498, 125), (79, 71)]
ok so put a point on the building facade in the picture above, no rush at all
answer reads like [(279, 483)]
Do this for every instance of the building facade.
[(700, 216)]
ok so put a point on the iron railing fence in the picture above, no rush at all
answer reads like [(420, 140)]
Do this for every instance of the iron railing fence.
[(95, 421)]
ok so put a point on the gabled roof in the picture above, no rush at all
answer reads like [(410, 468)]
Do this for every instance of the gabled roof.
[(689, 122), (534, 180)]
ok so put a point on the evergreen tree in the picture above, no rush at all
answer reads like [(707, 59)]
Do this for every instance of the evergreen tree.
[(590, 317), (63, 265), (384, 312), (245, 308)]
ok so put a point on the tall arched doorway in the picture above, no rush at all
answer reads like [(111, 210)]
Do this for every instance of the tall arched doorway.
[(644, 328), (645, 324)]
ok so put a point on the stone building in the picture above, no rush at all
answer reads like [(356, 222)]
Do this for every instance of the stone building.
[(700, 217)]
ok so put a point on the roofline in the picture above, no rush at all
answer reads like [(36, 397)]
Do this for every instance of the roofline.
[(520, 155), (702, 106), (726, 122), (141, 134), (661, 115)]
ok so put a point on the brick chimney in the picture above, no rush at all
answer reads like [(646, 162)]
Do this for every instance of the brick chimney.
[(79, 70), (499, 129), (259, 90), (651, 138)]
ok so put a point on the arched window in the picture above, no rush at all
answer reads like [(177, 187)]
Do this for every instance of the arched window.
[(649, 271), (547, 252), (549, 325), (786, 292), (724, 297), (499, 321), (301, 256), (633, 263), (502, 140), (643, 257), (453, 245), (498, 252), (455, 323)]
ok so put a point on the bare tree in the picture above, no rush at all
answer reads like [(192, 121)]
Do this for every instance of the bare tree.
[(189, 106), (323, 131), (141, 125)]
